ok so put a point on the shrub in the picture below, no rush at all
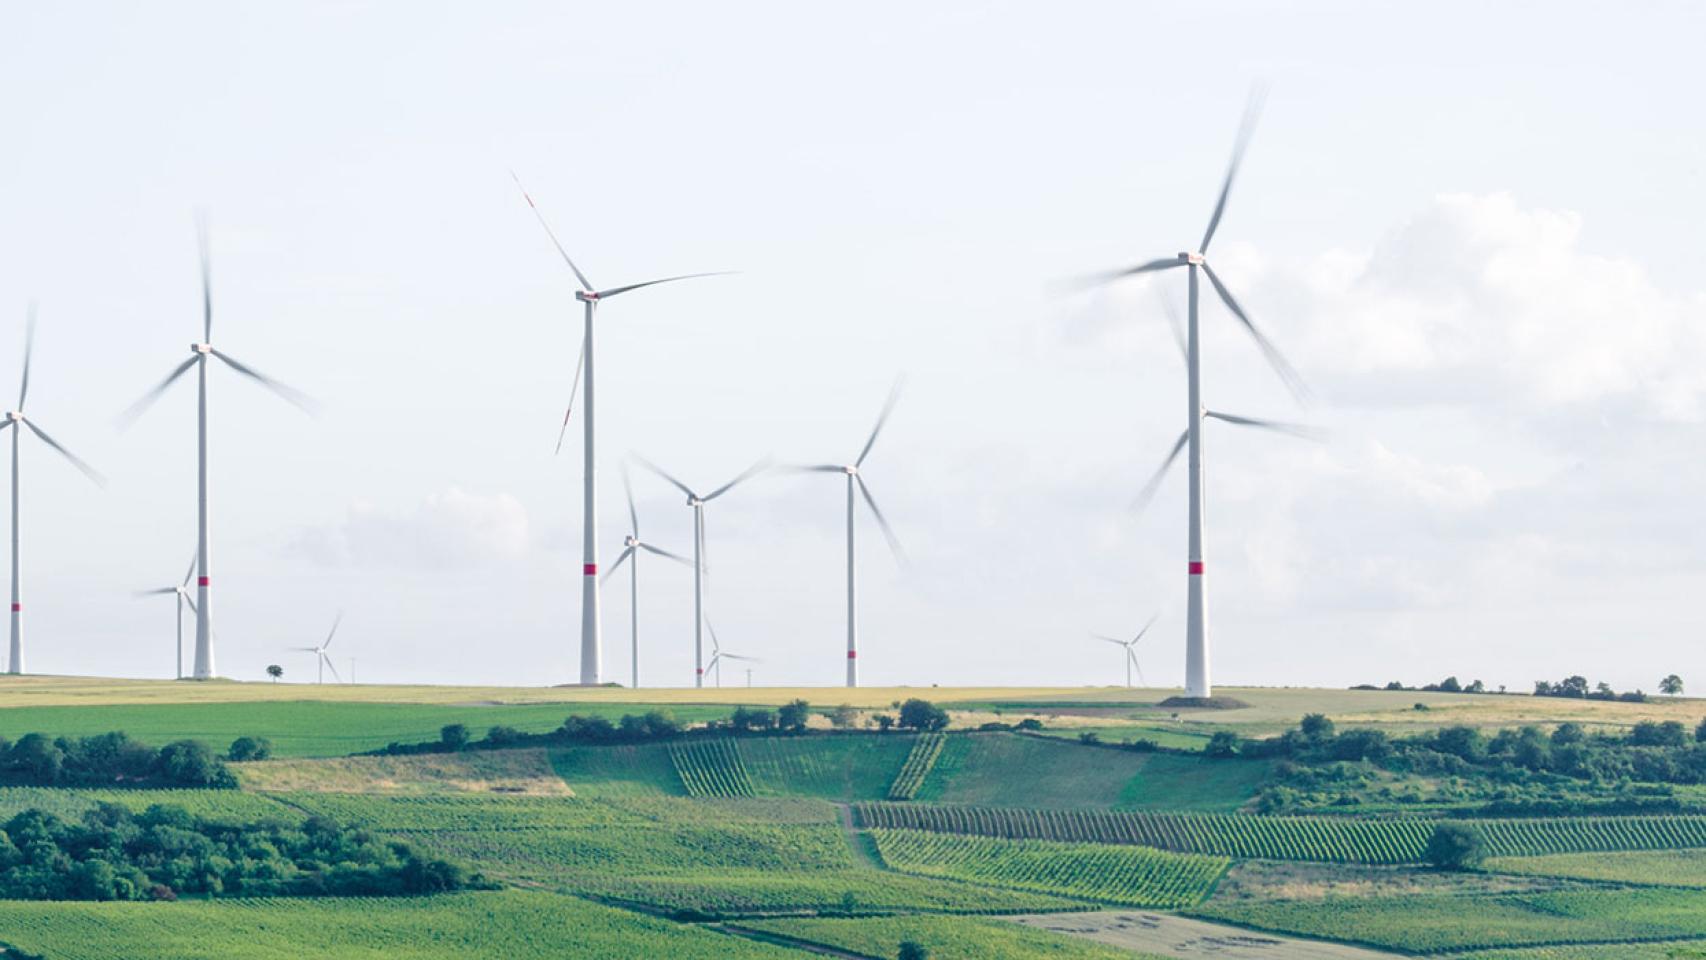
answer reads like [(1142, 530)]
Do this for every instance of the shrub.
[(454, 736), (249, 748), (1222, 744), (916, 714), (792, 716), (1029, 723), (1455, 846), (1316, 726), (912, 950)]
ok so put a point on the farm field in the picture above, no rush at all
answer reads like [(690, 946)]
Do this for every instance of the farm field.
[(1676, 868), (489, 771), (1187, 938), (947, 938)]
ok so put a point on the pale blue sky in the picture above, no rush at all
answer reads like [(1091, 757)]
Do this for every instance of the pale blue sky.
[(1474, 227)]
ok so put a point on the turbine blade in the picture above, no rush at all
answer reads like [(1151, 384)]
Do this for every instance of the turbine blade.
[(29, 349), (1103, 277), (586, 284), (574, 389), (206, 258), (813, 468), (76, 461), (191, 603), (619, 561), (1252, 110), (613, 291), (633, 514), (716, 648), (1148, 492), (1132, 655), (289, 393), (684, 488), (1176, 324), (882, 418), (155, 593), (745, 475), (332, 667), (190, 572), (736, 656), (1287, 374), (1294, 429), (882, 521), (1102, 636), (334, 631), (665, 553), (135, 410), (1145, 629)]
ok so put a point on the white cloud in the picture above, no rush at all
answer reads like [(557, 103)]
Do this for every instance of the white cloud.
[(448, 529)]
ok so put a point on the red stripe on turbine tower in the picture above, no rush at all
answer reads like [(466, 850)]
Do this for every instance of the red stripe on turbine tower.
[(590, 569), (1196, 568), (17, 607), (201, 581), (852, 654)]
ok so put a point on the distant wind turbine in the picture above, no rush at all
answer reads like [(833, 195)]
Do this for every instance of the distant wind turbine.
[(319, 652), (1197, 681), (632, 544), (718, 656), (199, 352), (698, 502), (182, 592), (592, 648), (1130, 651), (15, 665), (856, 480)]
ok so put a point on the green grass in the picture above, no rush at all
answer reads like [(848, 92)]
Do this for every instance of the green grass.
[(307, 728), (979, 769), (1661, 950), (712, 768), (232, 805), (834, 767), (511, 924), (947, 938), (633, 770), (1452, 922), (920, 760), (1125, 875), (1677, 868)]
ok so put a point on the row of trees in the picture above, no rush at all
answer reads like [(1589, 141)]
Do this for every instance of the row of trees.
[(109, 759), (114, 854)]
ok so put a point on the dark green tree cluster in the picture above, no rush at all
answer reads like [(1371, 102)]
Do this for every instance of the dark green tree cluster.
[(1576, 688), (114, 854), (916, 714), (109, 759)]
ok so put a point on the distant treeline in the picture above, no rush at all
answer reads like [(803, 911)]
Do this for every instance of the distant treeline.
[(161, 853), (655, 725), (1572, 687), (109, 760)]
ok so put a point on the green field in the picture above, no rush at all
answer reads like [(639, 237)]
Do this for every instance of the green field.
[(1676, 868), (947, 938), (510, 924), (852, 767)]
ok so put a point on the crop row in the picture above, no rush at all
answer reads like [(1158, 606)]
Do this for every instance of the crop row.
[(711, 768), (918, 764), (1127, 875), (1328, 839)]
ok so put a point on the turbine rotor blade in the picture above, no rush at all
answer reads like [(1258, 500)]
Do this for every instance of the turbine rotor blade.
[(76, 461), (332, 667), (745, 475), (1104, 277), (1145, 629), (736, 656), (155, 593), (29, 349), (1252, 110), (1294, 429), (586, 284), (289, 393), (334, 631), (1098, 636), (665, 553), (882, 521), (664, 474), (574, 389), (882, 418), (619, 561), (633, 514), (613, 291), (1176, 324), (1132, 655), (190, 572), (1148, 492), (1287, 373), (814, 468), (135, 410), (206, 258)]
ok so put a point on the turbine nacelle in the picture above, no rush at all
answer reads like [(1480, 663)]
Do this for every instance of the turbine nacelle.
[(201, 348), (586, 296), (1194, 259), (15, 416)]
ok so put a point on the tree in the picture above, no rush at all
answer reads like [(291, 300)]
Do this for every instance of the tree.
[(274, 671), (454, 736), (792, 716), (1671, 686), (844, 717), (1316, 726), (249, 748), (1455, 846), (884, 721), (1450, 685), (913, 950), (1222, 744), (916, 714)]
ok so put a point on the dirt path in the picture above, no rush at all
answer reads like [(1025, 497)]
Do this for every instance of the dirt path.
[(1188, 939), (855, 839), (783, 940)]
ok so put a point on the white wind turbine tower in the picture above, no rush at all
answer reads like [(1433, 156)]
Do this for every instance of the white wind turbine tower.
[(319, 652), (592, 647), (718, 656), (856, 480), (1197, 683), (632, 544), (698, 502), (182, 592), (199, 352), (16, 419), (1130, 651)]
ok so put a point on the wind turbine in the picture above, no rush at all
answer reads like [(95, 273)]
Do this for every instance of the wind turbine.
[(1197, 683), (592, 647), (632, 544), (856, 480), (325, 662), (718, 656), (199, 352), (182, 592), (698, 502), (1130, 651), (16, 419)]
